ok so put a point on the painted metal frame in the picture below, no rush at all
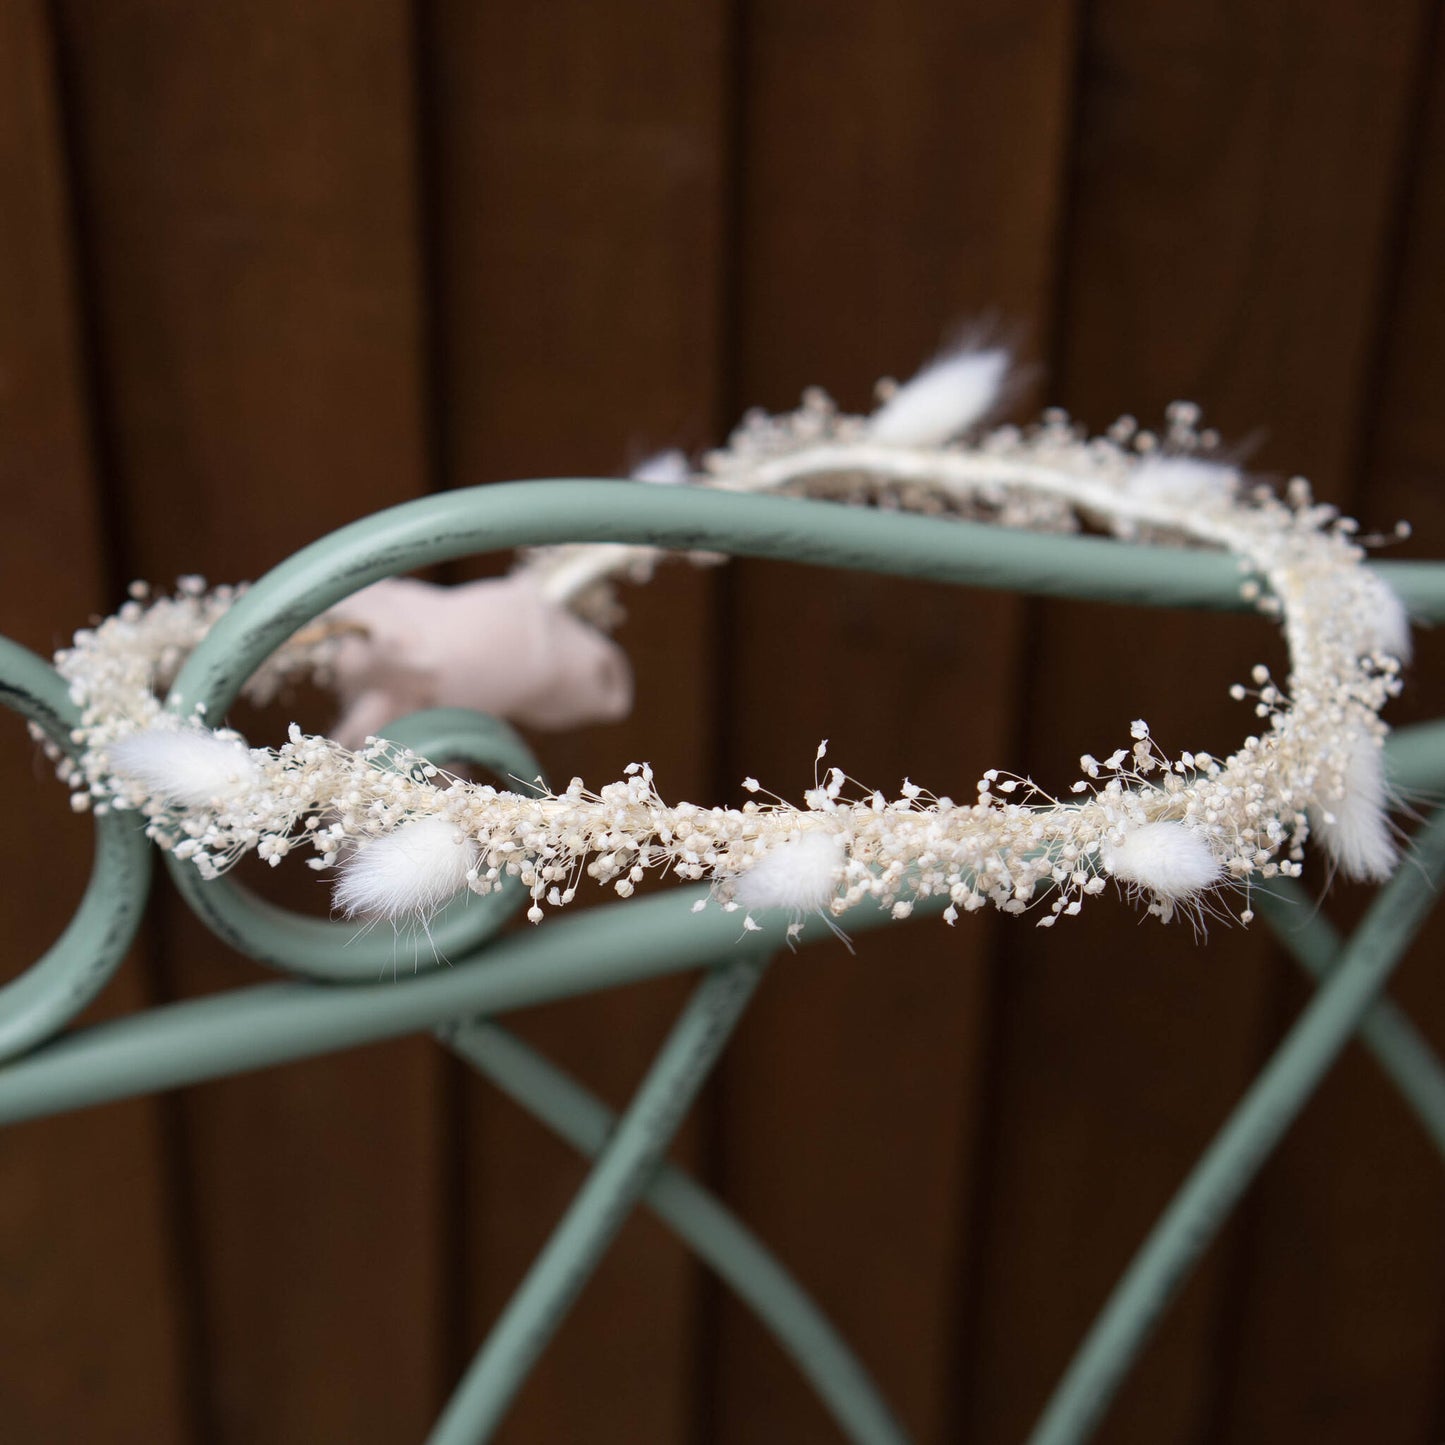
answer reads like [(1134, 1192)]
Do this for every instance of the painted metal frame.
[(50, 1069)]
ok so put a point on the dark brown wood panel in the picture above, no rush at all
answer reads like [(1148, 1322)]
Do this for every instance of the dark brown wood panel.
[(1231, 209), (90, 1333), (899, 178), (1344, 1322), (316, 260), (250, 204), (579, 224)]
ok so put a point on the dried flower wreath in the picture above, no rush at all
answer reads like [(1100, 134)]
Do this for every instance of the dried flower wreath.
[(407, 836)]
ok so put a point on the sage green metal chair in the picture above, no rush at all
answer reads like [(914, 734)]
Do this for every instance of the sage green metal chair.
[(51, 1069)]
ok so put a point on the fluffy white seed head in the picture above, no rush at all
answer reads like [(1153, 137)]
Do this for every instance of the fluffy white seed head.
[(1166, 858), (193, 769), (1386, 620), (1183, 480), (408, 873), (802, 874), (947, 397), (667, 468), (1353, 825)]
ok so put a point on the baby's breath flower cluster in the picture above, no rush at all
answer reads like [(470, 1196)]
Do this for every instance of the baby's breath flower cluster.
[(407, 836)]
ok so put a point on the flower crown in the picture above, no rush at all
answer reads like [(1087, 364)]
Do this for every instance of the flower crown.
[(406, 836)]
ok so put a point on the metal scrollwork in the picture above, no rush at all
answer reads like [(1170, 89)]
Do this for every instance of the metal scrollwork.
[(334, 1001)]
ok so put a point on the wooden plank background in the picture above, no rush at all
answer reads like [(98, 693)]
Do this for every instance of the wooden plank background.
[(268, 267)]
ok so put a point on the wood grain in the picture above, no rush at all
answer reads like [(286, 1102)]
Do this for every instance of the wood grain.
[(91, 1328), (1340, 1337), (880, 210), (250, 205), (578, 241), (265, 268), (1229, 218)]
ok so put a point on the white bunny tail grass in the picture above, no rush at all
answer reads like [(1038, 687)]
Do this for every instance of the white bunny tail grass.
[(187, 768), (1354, 826), (666, 468), (1387, 621), (947, 397), (1183, 481), (406, 874), (802, 875), (1165, 858)]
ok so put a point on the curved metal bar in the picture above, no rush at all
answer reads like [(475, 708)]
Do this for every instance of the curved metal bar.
[(31, 687), (70, 973), (1415, 759), (1236, 1153), (1386, 1031), (1419, 585), (478, 519), (704, 1223), (275, 1023), (455, 524), (460, 734), (322, 949), (622, 1172), (75, 968), (458, 523), (252, 1028)]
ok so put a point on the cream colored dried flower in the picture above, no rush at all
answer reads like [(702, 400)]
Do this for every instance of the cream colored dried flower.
[(1171, 830)]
